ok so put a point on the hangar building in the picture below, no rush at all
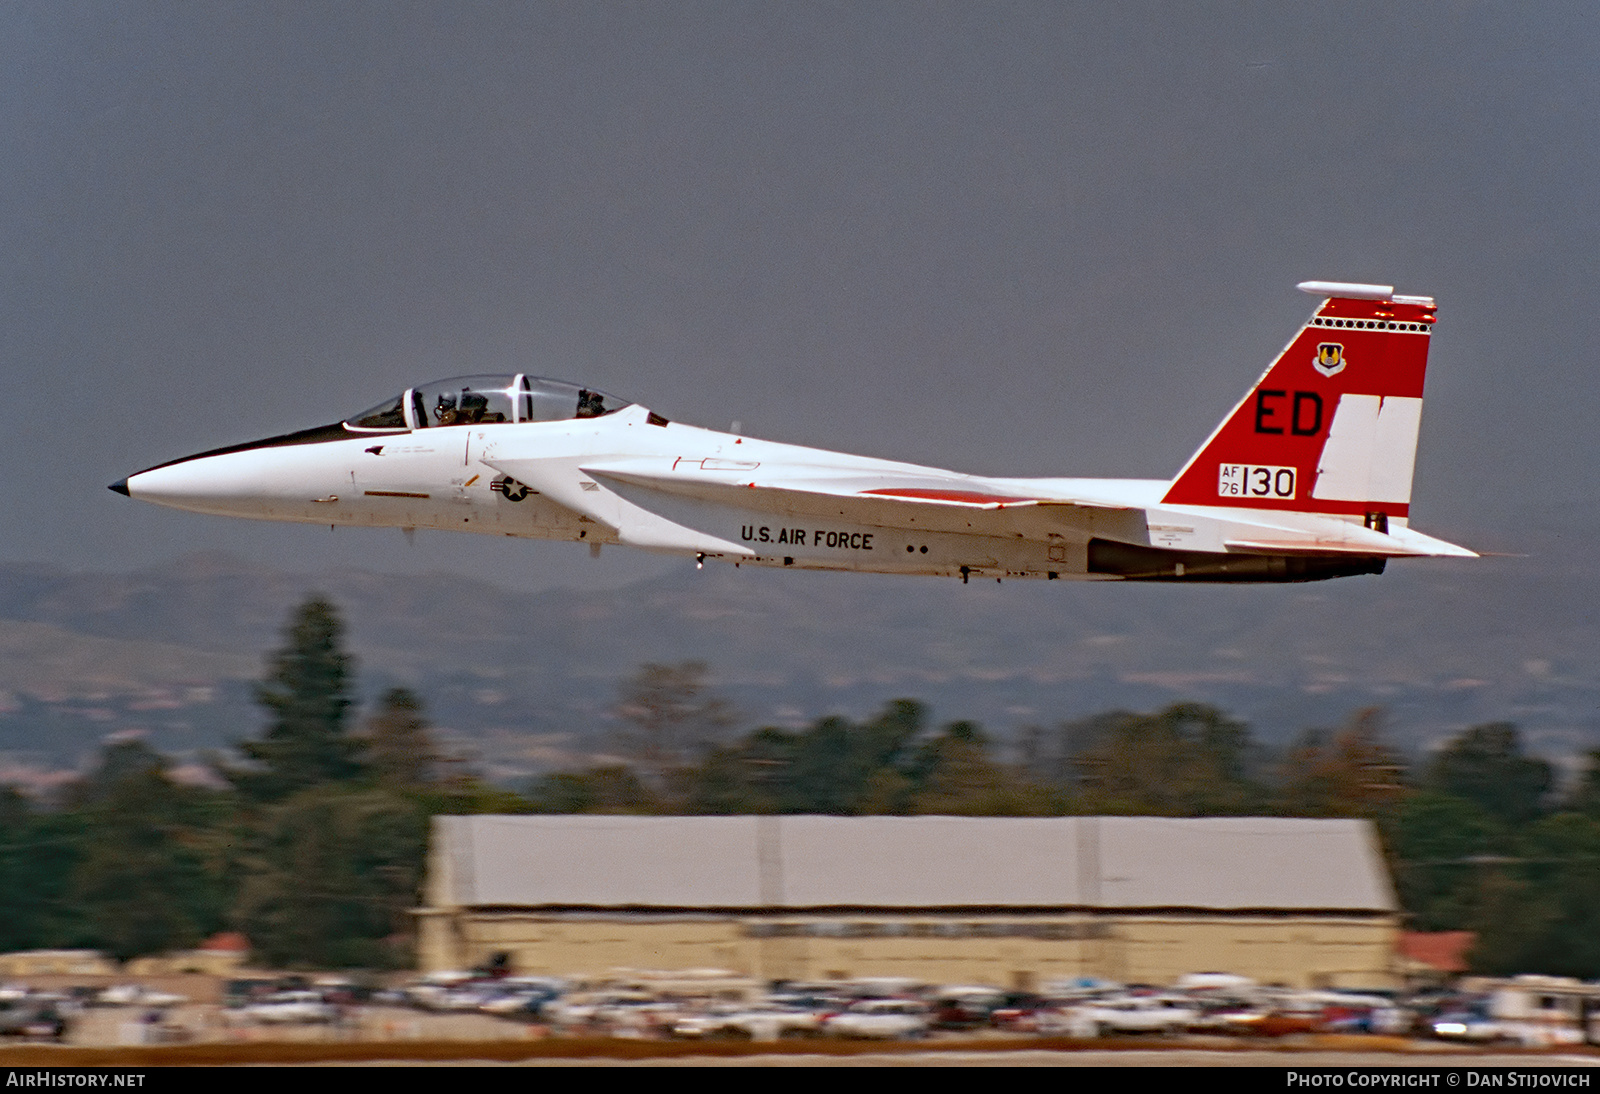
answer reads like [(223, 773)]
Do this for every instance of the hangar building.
[(1013, 901)]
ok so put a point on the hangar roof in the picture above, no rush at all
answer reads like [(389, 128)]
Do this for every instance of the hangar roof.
[(798, 862)]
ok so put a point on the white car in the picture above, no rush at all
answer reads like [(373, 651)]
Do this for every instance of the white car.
[(881, 1019), (136, 995), (292, 1008), (755, 1022), (1133, 1014)]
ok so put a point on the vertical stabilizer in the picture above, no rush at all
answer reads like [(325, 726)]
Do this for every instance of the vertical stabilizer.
[(1331, 426)]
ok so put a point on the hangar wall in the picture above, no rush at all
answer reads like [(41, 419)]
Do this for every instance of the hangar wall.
[(1155, 949), (1101, 897)]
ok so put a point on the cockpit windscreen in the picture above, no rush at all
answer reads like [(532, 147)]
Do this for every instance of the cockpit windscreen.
[(485, 400)]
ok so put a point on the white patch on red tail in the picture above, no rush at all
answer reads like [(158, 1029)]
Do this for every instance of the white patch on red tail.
[(1370, 450)]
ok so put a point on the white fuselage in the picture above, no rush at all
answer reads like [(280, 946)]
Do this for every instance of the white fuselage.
[(438, 478), (575, 480), (1309, 477)]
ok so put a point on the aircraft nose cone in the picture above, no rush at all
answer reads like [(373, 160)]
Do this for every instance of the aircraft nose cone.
[(121, 487)]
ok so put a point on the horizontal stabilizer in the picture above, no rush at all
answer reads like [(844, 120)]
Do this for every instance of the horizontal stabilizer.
[(1403, 543), (1313, 547)]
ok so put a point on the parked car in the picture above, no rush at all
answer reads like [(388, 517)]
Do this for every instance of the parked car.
[(754, 1022), (1469, 1023), (292, 1008), (883, 1019), (965, 1007), (1134, 1014), (33, 1019)]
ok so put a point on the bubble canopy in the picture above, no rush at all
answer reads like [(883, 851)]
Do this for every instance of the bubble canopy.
[(485, 400)]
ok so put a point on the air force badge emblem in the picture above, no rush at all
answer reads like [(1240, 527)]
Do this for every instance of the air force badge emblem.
[(1330, 358)]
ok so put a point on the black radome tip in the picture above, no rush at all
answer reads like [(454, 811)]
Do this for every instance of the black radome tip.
[(121, 487)]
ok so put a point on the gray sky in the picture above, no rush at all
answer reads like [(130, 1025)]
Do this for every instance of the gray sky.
[(1006, 238)]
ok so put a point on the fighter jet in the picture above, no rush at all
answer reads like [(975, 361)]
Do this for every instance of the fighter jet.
[(1308, 478)]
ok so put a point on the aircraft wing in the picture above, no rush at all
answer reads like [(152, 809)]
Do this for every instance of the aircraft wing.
[(891, 497), (563, 481)]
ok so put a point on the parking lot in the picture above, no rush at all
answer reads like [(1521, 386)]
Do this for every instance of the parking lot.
[(702, 1017)]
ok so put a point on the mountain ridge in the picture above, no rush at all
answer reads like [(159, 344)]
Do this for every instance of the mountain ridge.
[(528, 678)]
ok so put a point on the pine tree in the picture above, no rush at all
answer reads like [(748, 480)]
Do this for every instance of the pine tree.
[(306, 693), (399, 746)]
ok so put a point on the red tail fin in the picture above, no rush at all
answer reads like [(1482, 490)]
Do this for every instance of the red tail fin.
[(1331, 427)]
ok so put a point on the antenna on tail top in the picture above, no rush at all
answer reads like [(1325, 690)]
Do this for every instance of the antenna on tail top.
[(1347, 289), (1350, 290)]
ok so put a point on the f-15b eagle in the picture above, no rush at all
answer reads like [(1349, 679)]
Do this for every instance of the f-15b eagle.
[(1308, 478)]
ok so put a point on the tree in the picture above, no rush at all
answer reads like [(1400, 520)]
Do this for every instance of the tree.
[(1513, 920), (144, 883), (332, 875), (307, 695), (1486, 766), (829, 766), (400, 752), (599, 790), (1585, 797), (836, 766), (1440, 845), (39, 854), (954, 775), (1186, 760), (1351, 773), (669, 714), (1562, 865)]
